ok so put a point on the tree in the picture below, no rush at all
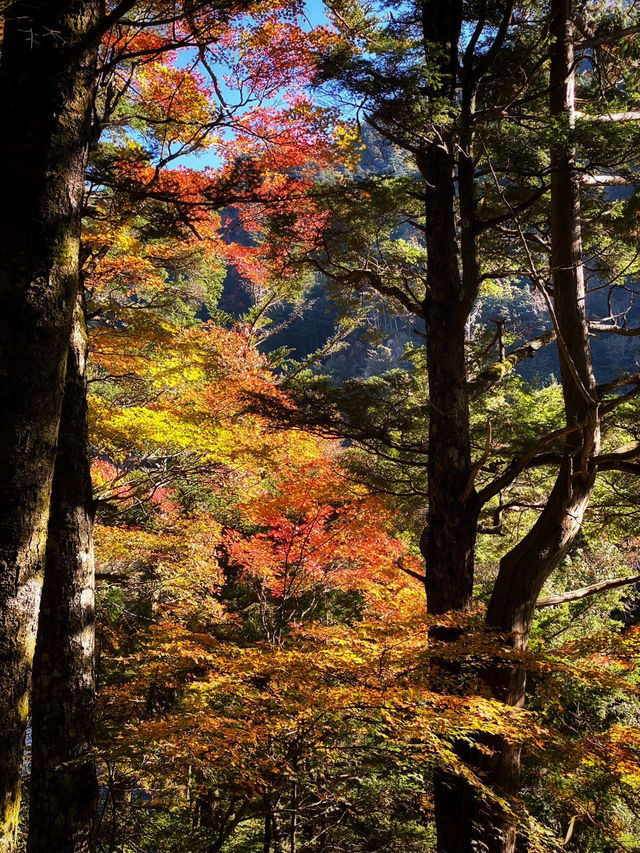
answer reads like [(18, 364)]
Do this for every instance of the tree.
[(58, 43), (524, 570), (63, 787), (435, 94), (46, 85)]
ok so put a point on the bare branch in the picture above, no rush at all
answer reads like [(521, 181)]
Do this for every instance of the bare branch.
[(614, 329), (619, 382), (586, 591), (607, 181), (410, 572), (633, 115)]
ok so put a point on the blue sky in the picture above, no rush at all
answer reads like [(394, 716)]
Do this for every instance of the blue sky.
[(315, 15), (315, 12)]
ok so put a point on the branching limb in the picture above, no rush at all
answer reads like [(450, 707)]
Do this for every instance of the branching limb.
[(484, 224), (621, 459), (614, 329), (527, 350), (532, 458), (618, 382), (586, 591), (599, 40), (611, 117), (610, 405), (410, 572)]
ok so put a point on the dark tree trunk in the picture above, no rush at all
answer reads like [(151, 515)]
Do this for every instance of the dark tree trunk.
[(45, 100), (448, 542), (63, 789), (266, 839), (524, 570)]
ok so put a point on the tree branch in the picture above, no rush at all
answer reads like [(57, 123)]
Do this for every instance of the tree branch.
[(530, 459), (630, 451), (608, 38), (527, 350), (410, 572), (607, 181), (483, 224), (586, 591), (632, 115), (614, 329), (620, 460), (619, 382), (615, 402), (356, 278)]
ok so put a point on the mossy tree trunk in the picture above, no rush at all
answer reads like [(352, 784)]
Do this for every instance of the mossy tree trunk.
[(46, 90), (63, 788)]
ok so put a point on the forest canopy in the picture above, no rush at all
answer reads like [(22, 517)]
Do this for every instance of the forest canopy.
[(319, 449)]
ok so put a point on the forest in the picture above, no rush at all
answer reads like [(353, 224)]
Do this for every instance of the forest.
[(319, 433)]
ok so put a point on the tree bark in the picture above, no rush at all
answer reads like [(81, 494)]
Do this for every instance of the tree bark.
[(448, 541), (524, 570), (63, 788), (46, 99)]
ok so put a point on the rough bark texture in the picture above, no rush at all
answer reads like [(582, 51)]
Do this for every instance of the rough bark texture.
[(45, 97), (524, 570), (448, 542), (63, 789)]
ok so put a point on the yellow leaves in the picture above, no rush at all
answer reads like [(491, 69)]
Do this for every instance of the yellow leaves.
[(139, 426), (346, 140), (291, 533), (247, 705), (177, 98)]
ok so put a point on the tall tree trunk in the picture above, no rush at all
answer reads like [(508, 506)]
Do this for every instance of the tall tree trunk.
[(448, 542), (63, 789), (524, 570), (45, 99)]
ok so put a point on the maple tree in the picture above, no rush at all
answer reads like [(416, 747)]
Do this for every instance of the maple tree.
[(266, 660), (159, 109)]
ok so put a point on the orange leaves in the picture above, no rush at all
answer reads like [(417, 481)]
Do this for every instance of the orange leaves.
[(232, 78), (176, 98), (316, 545), (135, 273), (296, 534)]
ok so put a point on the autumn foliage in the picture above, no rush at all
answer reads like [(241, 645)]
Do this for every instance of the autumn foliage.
[(268, 673)]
